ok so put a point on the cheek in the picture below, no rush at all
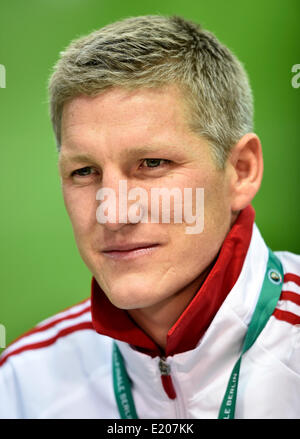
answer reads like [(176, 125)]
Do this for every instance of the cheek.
[(204, 194), (216, 215), (81, 206), (216, 190)]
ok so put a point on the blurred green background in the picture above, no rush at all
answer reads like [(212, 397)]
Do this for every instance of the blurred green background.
[(41, 270)]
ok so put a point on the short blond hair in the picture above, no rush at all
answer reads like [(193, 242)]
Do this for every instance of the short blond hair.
[(153, 51)]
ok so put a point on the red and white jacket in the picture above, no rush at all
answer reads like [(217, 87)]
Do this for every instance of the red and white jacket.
[(63, 367)]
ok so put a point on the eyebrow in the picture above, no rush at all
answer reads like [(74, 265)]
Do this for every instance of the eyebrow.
[(128, 153), (64, 158), (133, 152)]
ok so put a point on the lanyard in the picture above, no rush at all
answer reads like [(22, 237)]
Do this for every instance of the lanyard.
[(265, 306)]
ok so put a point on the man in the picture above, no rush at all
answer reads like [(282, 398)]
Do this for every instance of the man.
[(184, 321)]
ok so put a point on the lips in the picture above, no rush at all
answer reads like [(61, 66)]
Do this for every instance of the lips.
[(129, 251), (128, 247)]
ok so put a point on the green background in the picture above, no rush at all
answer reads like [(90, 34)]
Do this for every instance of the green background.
[(41, 270)]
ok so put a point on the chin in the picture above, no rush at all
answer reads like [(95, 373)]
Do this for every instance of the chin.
[(130, 298), (129, 302)]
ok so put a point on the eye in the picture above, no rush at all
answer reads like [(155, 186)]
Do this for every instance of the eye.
[(154, 163), (83, 172)]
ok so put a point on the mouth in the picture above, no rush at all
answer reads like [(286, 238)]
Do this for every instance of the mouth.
[(130, 251)]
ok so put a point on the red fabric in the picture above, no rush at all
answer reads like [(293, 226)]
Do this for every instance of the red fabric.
[(290, 277), (194, 321), (287, 316), (291, 296)]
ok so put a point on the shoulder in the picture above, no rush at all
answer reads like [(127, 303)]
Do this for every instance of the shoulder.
[(290, 262), (48, 332), (281, 336), (288, 307), (53, 359)]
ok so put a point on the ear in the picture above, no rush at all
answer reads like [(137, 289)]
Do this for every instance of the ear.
[(246, 162)]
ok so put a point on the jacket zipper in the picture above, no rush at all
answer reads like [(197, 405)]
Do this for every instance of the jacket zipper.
[(164, 367), (168, 385), (179, 402), (167, 382), (166, 379)]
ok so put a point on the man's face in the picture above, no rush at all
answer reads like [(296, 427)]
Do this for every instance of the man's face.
[(121, 135)]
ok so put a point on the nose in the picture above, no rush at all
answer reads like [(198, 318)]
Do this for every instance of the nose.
[(112, 211)]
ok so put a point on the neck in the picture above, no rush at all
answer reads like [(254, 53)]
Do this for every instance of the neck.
[(158, 319)]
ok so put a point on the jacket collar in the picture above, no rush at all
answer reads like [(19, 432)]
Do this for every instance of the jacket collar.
[(187, 331)]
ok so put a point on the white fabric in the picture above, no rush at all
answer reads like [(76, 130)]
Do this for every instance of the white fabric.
[(72, 377)]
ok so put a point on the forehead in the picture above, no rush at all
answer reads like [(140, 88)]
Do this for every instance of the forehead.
[(117, 115)]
